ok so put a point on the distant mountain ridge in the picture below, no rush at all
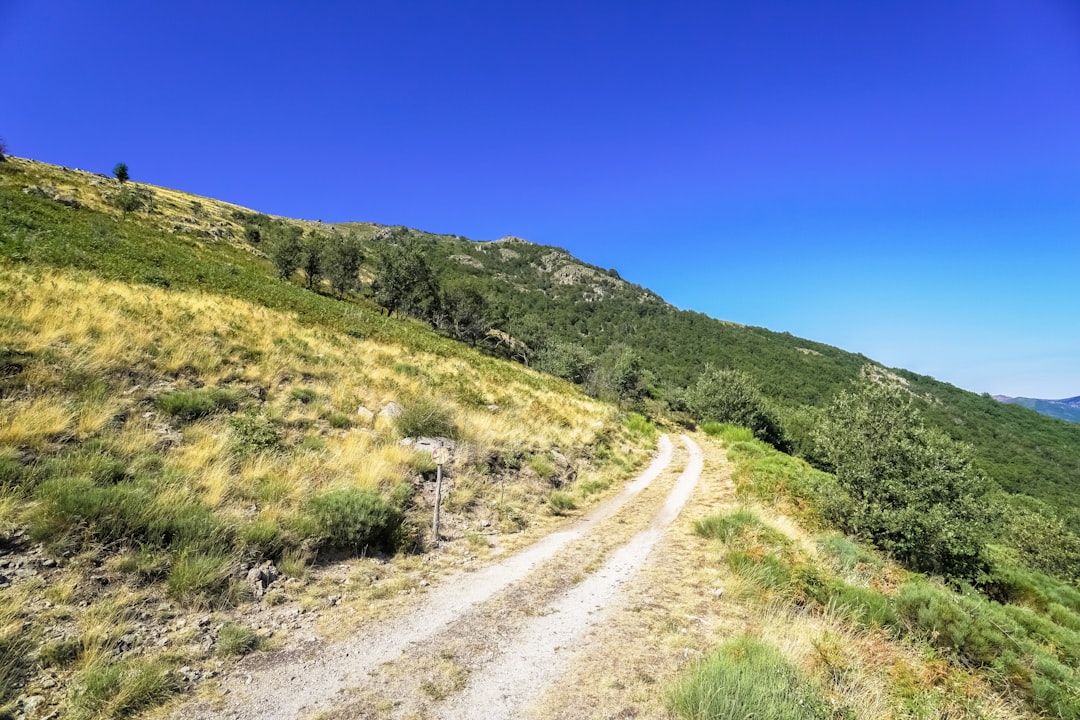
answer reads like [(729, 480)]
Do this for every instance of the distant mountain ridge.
[(1067, 409)]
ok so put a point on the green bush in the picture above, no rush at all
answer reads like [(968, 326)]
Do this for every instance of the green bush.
[(426, 418), (254, 433), (353, 520), (910, 490), (745, 678), (730, 396), (188, 405)]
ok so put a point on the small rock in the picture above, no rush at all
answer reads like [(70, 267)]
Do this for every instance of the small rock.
[(32, 703), (390, 410), (364, 416)]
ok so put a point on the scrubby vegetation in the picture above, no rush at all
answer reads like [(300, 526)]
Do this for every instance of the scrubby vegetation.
[(1016, 628)]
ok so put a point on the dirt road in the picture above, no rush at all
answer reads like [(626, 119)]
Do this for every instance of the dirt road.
[(481, 644)]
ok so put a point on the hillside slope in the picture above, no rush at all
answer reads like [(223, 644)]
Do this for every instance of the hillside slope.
[(200, 457)]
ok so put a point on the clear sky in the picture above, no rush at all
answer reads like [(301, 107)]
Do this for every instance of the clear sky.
[(900, 179)]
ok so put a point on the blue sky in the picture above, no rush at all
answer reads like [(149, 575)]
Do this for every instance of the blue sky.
[(900, 179)]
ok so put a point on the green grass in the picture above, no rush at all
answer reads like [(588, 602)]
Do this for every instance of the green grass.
[(189, 405), (122, 689), (745, 678), (560, 503), (640, 426), (725, 526), (236, 639), (354, 520), (425, 417), (200, 578)]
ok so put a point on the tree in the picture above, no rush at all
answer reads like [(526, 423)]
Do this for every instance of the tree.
[(909, 489), (618, 375), (404, 283), (286, 250), (464, 313), (570, 361), (313, 261), (343, 257), (730, 396), (120, 172), (3, 150)]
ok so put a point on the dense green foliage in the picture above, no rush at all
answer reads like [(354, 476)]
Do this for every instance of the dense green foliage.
[(907, 488), (730, 396), (120, 172), (1020, 628)]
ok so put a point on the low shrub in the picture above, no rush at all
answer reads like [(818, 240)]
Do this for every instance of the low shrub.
[(254, 433), (188, 405), (355, 520), (745, 678)]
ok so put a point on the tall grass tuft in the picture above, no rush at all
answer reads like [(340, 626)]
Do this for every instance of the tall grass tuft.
[(426, 417), (745, 678), (354, 520), (122, 689)]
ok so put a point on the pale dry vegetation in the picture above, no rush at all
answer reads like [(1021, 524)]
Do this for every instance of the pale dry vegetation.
[(154, 444)]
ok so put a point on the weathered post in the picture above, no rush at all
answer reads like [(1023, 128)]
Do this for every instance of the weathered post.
[(440, 455)]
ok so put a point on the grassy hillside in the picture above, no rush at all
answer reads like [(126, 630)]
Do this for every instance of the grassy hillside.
[(173, 416), (176, 411)]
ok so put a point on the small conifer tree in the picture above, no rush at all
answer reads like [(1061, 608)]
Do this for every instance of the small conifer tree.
[(120, 172)]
